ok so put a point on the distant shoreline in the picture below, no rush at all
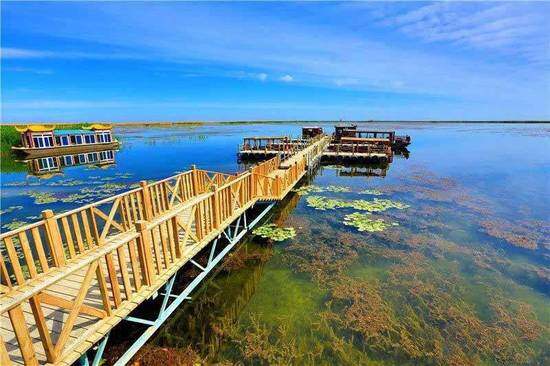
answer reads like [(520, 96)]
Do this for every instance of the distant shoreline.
[(206, 123)]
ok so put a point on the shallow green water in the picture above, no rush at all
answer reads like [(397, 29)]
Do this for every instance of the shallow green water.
[(464, 278)]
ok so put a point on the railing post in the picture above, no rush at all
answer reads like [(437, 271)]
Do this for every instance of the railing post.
[(146, 200), (145, 253), (198, 220), (252, 183), (175, 234), (278, 190), (195, 180), (53, 236), (216, 206)]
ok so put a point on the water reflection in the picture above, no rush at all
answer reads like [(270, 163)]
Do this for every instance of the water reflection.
[(371, 170), (52, 165)]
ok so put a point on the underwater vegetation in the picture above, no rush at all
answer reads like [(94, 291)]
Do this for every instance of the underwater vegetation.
[(10, 209), (525, 235), (308, 189), (275, 233), (15, 224), (365, 222), (42, 198), (372, 192), (337, 189), (376, 205)]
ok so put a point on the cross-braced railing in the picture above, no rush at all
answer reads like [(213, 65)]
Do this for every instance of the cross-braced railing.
[(69, 278)]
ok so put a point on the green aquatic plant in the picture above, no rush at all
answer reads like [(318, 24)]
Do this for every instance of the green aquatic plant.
[(324, 203), (41, 198), (377, 205), (337, 189), (275, 233), (124, 175), (10, 209), (308, 189), (66, 183), (75, 197), (15, 224), (364, 222), (372, 192)]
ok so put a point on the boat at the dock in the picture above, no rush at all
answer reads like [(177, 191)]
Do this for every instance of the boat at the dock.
[(42, 140), (346, 144)]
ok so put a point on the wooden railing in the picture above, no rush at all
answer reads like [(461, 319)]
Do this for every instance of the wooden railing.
[(33, 249), (267, 167), (123, 247)]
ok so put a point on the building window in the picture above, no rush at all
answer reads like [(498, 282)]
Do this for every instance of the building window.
[(78, 139), (104, 136), (68, 160), (46, 164), (106, 155), (89, 139), (64, 140), (42, 140), (81, 158)]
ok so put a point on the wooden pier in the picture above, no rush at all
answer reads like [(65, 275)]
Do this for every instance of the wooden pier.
[(345, 150), (70, 278)]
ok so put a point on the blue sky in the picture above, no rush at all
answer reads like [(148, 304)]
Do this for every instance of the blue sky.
[(130, 61)]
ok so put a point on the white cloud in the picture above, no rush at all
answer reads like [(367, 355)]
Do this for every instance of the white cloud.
[(21, 53), (509, 28), (8, 52), (262, 76), (287, 78), (28, 70)]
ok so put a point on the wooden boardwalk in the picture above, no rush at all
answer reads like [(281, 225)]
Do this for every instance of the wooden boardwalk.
[(68, 279)]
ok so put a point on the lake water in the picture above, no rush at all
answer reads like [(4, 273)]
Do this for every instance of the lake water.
[(456, 272)]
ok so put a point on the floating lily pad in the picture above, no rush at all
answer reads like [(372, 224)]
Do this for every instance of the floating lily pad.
[(372, 192), (41, 198), (66, 183), (308, 189), (365, 222), (338, 189), (10, 209), (15, 224), (376, 205), (324, 203), (75, 197), (275, 233)]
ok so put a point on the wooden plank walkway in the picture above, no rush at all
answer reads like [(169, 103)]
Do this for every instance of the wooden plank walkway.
[(68, 279)]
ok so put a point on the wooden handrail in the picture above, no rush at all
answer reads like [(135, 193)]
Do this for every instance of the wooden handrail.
[(129, 256)]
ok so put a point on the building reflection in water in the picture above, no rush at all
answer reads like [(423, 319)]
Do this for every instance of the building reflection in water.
[(55, 164), (363, 171)]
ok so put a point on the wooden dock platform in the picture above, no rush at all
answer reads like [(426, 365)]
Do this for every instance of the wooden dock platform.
[(69, 278)]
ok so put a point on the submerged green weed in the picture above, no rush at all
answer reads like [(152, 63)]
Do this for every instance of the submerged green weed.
[(275, 233), (364, 222), (324, 203), (338, 189), (372, 192), (41, 198), (10, 209), (307, 189), (15, 224), (66, 183), (316, 189), (376, 205)]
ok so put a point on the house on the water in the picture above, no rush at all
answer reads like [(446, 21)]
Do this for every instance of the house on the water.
[(43, 140)]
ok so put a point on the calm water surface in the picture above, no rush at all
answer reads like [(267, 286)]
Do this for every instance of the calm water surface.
[(459, 273)]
